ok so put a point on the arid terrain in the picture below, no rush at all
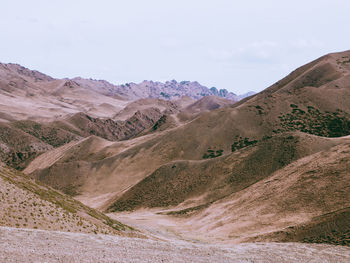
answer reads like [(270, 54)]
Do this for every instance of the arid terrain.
[(51, 246), (175, 171)]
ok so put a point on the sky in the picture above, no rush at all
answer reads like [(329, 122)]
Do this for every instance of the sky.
[(235, 45)]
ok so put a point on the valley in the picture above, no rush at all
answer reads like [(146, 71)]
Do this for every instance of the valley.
[(167, 166)]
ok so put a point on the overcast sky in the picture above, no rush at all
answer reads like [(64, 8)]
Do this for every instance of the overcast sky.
[(237, 45)]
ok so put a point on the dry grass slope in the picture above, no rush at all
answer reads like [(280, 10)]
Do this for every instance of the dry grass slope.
[(210, 180), (26, 204)]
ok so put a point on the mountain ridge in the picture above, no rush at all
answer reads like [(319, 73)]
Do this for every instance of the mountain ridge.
[(168, 90), (131, 91)]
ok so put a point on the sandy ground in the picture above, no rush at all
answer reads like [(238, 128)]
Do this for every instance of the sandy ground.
[(154, 223), (22, 245)]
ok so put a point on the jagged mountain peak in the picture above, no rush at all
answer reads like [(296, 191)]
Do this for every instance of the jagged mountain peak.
[(170, 90)]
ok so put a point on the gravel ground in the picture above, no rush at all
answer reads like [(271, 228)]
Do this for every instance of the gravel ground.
[(23, 245)]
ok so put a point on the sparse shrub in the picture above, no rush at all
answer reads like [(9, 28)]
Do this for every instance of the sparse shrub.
[(260, 109), (241, 143), (327, 124), (212, 154)]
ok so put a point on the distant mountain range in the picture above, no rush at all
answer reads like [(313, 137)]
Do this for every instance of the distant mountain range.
[(153, 89), (129, 91)]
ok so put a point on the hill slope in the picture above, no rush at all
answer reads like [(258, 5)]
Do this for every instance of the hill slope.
[(305, 201), (212, 179), (26, 204)]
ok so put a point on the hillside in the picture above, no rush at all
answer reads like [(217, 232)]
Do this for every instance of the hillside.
[(204, 104), (164, 106), (215, 178), (306, 201), (26, 204)]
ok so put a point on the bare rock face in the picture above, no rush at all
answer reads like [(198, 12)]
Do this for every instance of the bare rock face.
[(223, 93)]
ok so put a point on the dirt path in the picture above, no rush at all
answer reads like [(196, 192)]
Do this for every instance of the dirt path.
[(19, 245)]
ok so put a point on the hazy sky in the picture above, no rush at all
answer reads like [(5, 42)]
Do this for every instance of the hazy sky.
[(237, 45)]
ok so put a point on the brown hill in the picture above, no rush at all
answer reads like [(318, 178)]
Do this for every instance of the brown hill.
[(184, 101), (186, 110), (207, 103), (330, 228), (164, 106), (83, 176), (83, 150), (215, 178), (305, 201)]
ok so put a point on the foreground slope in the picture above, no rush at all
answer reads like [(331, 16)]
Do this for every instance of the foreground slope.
[(26, 204)]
